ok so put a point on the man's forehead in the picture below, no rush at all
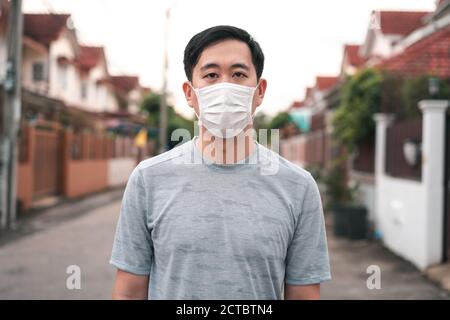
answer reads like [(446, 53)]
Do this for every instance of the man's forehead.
[(226, 53)]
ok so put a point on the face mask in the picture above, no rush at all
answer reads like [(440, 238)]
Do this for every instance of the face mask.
[(225, 108)]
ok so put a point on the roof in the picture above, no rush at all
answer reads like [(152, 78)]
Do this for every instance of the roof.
[(90, 56), (44, 27), (4, 11), (428, 55), (125, 83), (324, 83), (297, 104), (308, 92), (352, 53), (400, 22)]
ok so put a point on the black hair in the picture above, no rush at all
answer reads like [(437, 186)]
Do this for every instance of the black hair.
[(212, 35)]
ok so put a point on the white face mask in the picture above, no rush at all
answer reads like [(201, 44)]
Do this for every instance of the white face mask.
[(225, 108)]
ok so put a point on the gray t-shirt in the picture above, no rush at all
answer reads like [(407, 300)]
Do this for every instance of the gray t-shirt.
[(202, 230)]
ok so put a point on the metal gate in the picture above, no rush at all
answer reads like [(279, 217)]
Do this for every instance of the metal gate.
[(47, 166)]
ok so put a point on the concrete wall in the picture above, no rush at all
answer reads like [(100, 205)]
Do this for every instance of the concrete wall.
[(408, 213), (25, 185), (85, 176), (402, 217), (366, 191), (119, 169)]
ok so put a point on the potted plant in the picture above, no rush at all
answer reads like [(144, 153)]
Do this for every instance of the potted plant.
[(349, 217)]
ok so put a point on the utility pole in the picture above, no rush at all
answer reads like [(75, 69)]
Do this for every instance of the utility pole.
[(11, 116), (163, 102)]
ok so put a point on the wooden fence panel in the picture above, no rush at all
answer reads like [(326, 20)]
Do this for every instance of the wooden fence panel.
[(397, 134)]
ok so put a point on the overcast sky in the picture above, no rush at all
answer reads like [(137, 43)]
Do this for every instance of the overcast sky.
[(300, 39)]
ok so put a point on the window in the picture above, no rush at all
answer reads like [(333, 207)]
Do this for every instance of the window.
[(84, 88), (38, 71), (62, 76)]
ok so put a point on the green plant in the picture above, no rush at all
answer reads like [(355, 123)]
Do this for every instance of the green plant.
[(280, 120), (337, 189), (353, 120), (151, 106), (316, 171), (416, 89)]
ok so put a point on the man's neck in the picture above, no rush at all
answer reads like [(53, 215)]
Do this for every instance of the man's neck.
[(226, 151)]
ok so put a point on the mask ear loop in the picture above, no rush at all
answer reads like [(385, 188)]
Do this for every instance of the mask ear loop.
[(198, 100), (252, 116)]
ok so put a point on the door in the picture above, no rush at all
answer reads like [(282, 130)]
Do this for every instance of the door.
[(47, 163)]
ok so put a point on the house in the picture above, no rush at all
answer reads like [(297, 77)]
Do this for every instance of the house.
[(408, 202), (310, 146), (408, 208), (386, 28), (351, 60), (69, 101), (413, 202), (57, 65)]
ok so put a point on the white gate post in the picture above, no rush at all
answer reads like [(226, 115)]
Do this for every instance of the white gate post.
[(433, 146), (383, 121)]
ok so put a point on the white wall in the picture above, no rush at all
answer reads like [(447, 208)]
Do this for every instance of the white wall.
[(401, 217), (366, 196), (119, 169), (29, 57), (63, 47), (410, 214), (112, 104)]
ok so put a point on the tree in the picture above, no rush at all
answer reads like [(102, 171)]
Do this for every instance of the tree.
[(151, 104), (361, 97), (280, 120)]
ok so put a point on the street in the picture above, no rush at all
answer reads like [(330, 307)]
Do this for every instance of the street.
[(349, 263), (34, 266)]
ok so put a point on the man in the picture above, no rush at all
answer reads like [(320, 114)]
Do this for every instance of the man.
[(204, 220)]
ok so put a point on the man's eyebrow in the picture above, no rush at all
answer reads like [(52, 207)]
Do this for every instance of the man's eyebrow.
[(240, 65), (209, 65)]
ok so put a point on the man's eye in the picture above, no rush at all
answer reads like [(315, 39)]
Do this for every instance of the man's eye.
[(211, 76), (240, 75)]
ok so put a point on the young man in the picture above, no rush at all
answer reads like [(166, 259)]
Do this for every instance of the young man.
[(204, 220)]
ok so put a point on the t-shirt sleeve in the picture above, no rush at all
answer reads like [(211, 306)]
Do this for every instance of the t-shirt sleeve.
[(132, 247), (307, 259)]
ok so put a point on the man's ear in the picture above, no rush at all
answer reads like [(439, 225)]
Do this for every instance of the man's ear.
[(189, 94), (260, 92)]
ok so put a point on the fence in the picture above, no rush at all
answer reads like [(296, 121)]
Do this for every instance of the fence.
[(364, 160), (396, 135), (57, 162)]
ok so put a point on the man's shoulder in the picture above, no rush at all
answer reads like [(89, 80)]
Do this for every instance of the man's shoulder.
[(286, 167), (166, 158)]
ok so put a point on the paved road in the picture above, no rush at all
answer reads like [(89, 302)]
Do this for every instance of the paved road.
[(399, 279), (34, 266)]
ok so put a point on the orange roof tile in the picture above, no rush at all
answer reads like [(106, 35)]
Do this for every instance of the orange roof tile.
[(400, 22), (90, 56), (428, 55), (44, 28), (352, 52), (325, 83)]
